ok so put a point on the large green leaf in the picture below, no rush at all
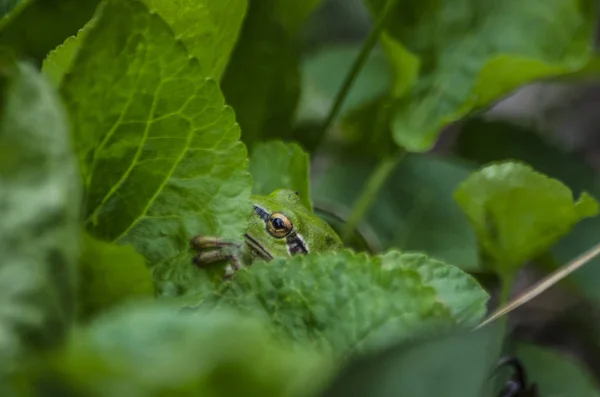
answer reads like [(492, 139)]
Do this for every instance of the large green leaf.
[(487, 141), (452, 365), (348, 303), (34, 27), (158, 148), (39, 206), (110, 274), (148, 351), (262, 80), (556, 374), (414, 209), (277, 165), (472, 53), (518, 213)]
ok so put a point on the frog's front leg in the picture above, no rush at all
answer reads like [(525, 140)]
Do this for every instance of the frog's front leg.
[(211, 250)]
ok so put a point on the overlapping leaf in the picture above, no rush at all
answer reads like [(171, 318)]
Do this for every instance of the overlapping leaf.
[(39, 205), (488, 141), (154, 139), (349, 303), (470, 54), (518, 213), (156, 351)]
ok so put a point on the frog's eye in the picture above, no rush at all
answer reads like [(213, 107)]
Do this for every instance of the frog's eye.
[(279, 225)]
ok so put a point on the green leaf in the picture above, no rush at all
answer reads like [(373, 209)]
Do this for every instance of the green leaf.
[(555, 373), (471, 54), (110, 274), (35, 27), (348, 303), (485, 141), (158, 148), (518, 213), (59, 61), (277, 165), (413, 211), (451, 284), (449, 365), (208, 29), (39, 206), (156, 351), (261, 82), (404, 64)]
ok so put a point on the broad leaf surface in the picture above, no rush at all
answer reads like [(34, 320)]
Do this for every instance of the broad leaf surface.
[(277, 165), (35, 27), (156, 351), (487, 141), (39, 206), (348, 303), (158, 148), (518, 213), (556, 374), (109, 275), (414, 210), (448, 365), (470, 54), (262, 80), (451, 285)]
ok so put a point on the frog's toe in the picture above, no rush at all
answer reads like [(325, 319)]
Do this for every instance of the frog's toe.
[(203, 242), (205, 258)]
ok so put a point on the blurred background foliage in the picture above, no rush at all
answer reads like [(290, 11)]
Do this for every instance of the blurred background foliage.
[(550, 124)]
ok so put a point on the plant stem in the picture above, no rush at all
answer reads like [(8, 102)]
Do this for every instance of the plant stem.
[(545, 283), (369, 193), (357, 65)]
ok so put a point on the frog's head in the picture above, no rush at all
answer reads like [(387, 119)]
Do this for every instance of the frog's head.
[(282, 226)]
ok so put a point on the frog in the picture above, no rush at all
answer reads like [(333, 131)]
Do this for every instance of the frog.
[(280, 226)]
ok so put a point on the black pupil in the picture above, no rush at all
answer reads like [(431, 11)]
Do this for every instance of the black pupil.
[(278, 223)]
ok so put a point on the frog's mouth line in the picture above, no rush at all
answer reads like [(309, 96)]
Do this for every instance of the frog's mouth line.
[(256, 247)]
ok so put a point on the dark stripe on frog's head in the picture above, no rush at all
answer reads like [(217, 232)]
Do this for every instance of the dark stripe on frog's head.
[(264, 215), (296, 244), (294, 241)]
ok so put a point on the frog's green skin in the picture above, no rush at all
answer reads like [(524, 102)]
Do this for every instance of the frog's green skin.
[(266, 239)]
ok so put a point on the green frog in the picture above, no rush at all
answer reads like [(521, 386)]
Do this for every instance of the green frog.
[(280, 226)]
